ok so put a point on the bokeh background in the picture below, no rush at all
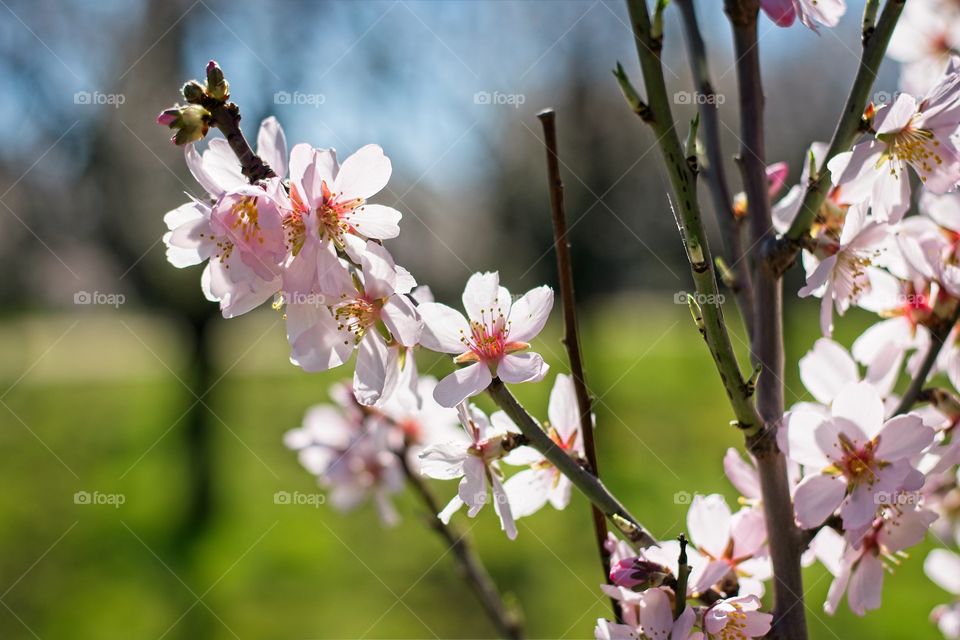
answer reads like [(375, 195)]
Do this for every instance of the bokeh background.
[(160, 400)]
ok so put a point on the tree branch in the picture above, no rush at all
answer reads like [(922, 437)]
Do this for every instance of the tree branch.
[(226, 117), (682, 171), (742, 285), (582, 478), (471, 568), (767, 340), (875, 45), (571, 339), (938, 337)]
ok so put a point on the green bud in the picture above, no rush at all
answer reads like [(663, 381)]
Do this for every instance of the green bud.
[(217, 86), (194, 92)]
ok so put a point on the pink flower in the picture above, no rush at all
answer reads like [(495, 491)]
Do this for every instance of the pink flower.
[(734, 545), (858, 568), (853, 456), (811, 12), (350, 455), (323, 336), (489, 343), (532, 488), (477, 463), (654, 620), (943, 567), (736, 618), (329, 213), (840, 276), (909, 132)]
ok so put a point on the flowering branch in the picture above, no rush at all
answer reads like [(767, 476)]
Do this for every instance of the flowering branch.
[(683, 171), (876, 41), (504, 618), (767, 339), (582, 478), (571, 339), (741, 281)]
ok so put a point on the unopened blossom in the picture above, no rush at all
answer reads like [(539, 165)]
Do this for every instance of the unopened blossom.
[(492, 340), (734, 545), (908, 132), (477, 463), (532, 488), (853, 456), (811, 12), (329, 214), (738, 617), (776, 177), (943, 567), (350, 455), (858, 569), (839, 274)]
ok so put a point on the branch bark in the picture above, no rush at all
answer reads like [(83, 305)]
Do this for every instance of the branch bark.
[(471, 568), (225, 116), (582, 478), (783, 535), (683, 171), (571, 338), (730, 225)]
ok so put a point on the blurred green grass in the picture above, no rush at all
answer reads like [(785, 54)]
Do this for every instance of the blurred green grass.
[(94, 403)]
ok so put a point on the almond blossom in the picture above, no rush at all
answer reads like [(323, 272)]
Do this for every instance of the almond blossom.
[(858, 569), (838, 272), (476, 463), (738, 617), (491, 340), (943, 567), (908, 132), (532, 488), (240, 234), (350, 456), (734, 545), (853, 456), (329, 215), (651, 617)]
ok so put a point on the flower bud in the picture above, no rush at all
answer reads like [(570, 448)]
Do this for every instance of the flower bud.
[(191, 123), (638, 574), (217, 86), (194, 92)]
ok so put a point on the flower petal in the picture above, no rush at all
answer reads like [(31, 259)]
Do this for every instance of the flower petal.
[(530, 313), (515, 368), (462, 384), (816, 497), (444, 329)]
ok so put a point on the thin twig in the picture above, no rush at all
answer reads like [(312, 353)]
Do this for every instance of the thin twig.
[(682, 171), (938, 337), (848, 128), (226, 117), (505, 619), (633, 532), (767, 340), (730, 225), (571, 339)]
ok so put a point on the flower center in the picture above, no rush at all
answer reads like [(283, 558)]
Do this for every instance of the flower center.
[(244, 220), (915, 146), (857, 463), (735, 628), (333, 214), (356, 316)]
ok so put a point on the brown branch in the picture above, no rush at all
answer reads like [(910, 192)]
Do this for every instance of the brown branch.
[(938, 336), (226, 117), (767, 340), (504, 618), (713, 172), (571, 339)]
